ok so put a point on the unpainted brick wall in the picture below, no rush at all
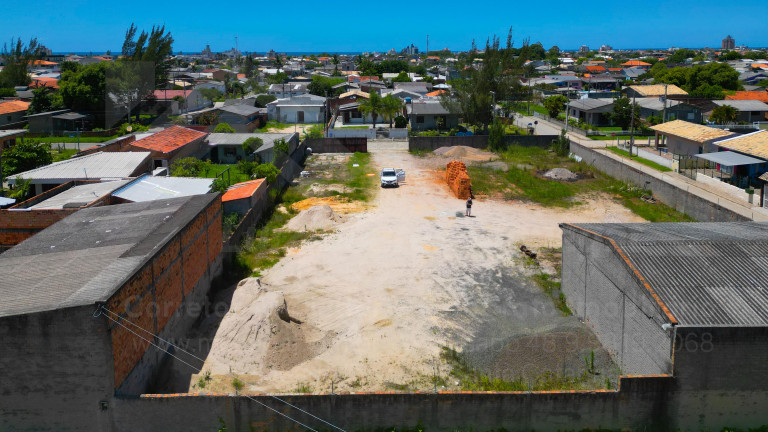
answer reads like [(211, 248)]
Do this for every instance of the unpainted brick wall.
[(17, 226), (155, 293), (458, 180)]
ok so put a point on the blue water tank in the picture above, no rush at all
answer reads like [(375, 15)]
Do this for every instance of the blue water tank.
[(407, 100)]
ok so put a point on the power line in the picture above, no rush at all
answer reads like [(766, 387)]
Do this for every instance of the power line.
[(103, 308)]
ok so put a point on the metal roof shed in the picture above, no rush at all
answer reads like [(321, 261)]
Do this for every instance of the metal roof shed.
[(729, 158)]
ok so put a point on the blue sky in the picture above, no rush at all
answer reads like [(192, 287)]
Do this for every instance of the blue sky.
[(88, 25)]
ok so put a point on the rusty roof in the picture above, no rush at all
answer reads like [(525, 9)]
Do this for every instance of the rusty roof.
[(169, 139), (13, 106)]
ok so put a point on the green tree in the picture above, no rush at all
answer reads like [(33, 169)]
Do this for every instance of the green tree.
[(267, 171), (391, 107), (154, 47), (374, 106), (84, 90), (252, 144), (189, 167), (724, 114), (17, 58), (44, 99), (680, 56), (223, 128), (402, 77), (211, 93), (622, 113), (555, 104), (281, 146), (25, 156), (323, 86), (401, 122), (277, 78), (705, 81), (496, 135), (248, 66), (219, 185), (7, 92), (335, 61), (263, 100), (247, 167), (562, 145)]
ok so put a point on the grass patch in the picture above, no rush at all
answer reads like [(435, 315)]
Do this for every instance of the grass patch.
[(303, 388), (68, 139), (272, 124), (356, 178), (522, 108), (643, 161), (470, 379), (234, 175), (523, 181), (609, 128), (63, 154), (268, 244)]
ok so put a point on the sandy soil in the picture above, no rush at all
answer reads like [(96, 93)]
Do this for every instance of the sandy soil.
[(380, 296)]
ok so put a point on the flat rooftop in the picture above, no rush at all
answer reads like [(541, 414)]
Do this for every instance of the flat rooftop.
[(87, 256), (78, 196), (706, 273)]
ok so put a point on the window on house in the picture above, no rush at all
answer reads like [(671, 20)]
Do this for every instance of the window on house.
[(356, 114), (229, 151), (419, 119), (691, 116)]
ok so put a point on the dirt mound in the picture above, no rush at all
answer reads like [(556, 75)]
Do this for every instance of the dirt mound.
[(315, 218), (336, 204), (561, 174), (465, 153)]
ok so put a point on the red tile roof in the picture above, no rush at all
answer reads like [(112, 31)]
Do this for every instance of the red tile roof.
[(436, 93), (170, 94), (43, 63), (45, 82), (759, 95), (241, 190), (169, 139), (13, 106), (596, 69)]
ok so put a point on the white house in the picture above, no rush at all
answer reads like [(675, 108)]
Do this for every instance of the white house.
[(298, 109)]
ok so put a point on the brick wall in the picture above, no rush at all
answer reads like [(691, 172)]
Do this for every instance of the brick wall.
[(17, 226), (458, 180), (120, 144), (154, 296)]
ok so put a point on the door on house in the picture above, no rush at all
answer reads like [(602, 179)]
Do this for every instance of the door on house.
[(300, 116)]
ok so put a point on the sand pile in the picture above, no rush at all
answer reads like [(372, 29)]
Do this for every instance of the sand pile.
[(465, 153), (337, 205), (561, 174), (314, 218)]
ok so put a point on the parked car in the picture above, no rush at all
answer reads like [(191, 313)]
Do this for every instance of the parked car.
[(392, 177)]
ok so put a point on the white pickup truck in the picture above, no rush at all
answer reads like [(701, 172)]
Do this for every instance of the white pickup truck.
[(392, 177)]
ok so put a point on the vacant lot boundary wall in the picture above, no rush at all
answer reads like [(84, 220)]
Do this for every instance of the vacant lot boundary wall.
[(640, 404), (421, 143), (681, 200), (338, 145)]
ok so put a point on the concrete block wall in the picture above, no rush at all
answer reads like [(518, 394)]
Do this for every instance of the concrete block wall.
[(639, 404), (338, 145), (56, 368), (601, 290), (681, 200), (160, 296), (477, 141)]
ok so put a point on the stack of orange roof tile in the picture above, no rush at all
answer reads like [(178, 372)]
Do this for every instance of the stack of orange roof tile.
[(457, 178)]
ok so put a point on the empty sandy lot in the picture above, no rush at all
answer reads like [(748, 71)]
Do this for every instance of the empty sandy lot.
[(379, 297)]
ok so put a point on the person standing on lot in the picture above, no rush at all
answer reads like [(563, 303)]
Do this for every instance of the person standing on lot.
[(469, 206)]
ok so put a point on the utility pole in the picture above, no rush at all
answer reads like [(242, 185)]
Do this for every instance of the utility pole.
[(664, 113), (427, 45), (632, 125)]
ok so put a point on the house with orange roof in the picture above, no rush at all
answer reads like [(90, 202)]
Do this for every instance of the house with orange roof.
[(171, 144), (436, 93), (12, 112), (758, 95), (596, 69), (44, 82), (636, 63), (246, 196)]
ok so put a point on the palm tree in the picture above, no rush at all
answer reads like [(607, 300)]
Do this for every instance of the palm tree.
[(391, 107), (724, 114), (335, 60), (374, 106)]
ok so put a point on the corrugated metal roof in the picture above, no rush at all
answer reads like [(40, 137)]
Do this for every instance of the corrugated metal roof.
[(93, 166), (79, 196), (216, 139), (743, 105), (591, 104), (149, 188), (86, 257), (658, 90), (729, 158), (712, 273)]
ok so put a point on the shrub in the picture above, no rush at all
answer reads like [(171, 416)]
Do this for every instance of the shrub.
[(401, 122), (223, 128), (247, 167), (189, 167), (266, 171), (496, 135), (562, 145), (219, 185), (252, 144), (135, 127), (263, 100)]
